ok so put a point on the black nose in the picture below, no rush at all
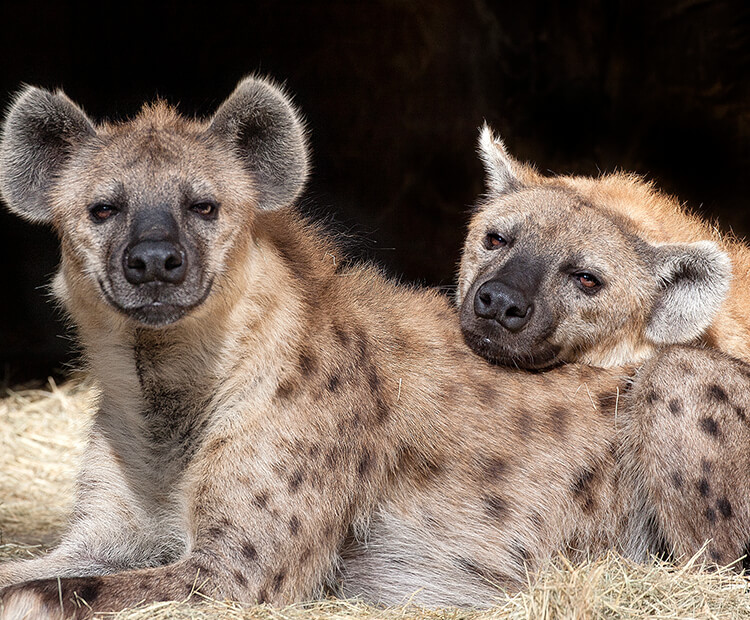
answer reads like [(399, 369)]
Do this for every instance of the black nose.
[(504, 304), (155, 261)]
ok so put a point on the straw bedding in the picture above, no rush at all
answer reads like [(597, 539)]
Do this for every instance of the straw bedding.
[(41, 439)]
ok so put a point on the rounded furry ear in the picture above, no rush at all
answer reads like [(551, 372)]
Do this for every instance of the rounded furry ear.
[(695, 281), (500, 167), (264, 129), (40, 133)]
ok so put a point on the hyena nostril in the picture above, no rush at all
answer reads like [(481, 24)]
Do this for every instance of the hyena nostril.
[(155, 261)]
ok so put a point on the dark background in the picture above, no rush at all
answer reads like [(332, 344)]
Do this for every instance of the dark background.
[(393, 92)]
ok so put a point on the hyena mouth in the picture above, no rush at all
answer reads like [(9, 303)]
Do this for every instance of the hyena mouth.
[(544, 357), (156, 312)]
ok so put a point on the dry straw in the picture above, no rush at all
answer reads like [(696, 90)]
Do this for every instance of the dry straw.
[(41, 439)]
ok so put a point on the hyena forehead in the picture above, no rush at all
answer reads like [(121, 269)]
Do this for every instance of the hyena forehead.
[(554, 217), (156, 158)]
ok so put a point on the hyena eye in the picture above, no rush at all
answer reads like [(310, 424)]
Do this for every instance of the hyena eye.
[(101, 211), (493, 241), (207, 210), (587, 282)]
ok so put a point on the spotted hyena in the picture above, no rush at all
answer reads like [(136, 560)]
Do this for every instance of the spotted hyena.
[(275, 420), (600, 271), (608, 271)]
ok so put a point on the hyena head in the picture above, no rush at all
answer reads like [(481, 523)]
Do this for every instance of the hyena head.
[(150, 211), (547, 276)]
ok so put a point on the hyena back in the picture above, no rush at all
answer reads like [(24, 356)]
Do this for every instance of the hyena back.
[(272, 418)]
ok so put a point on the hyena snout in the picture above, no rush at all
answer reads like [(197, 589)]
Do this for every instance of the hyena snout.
[(155, 252), (155, 261), (504, 304)]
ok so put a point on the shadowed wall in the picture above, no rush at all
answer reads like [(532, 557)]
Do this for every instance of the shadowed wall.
[(393, 92)]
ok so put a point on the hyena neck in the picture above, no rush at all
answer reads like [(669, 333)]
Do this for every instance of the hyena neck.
[(253, 321)]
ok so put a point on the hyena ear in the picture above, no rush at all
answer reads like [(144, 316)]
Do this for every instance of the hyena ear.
[(261, 125), (503, 172), (695, 281), (40, 133)]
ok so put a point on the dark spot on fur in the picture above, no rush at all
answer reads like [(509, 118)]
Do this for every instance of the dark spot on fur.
[(582, 490), (711, 515), (365, 463), (537, 519), (559, 419), (658, 544), (285, 390), (495, 469), (215, 532), (484, 573), (706, 466), (262, 596), (296, 480), (715, 556), (524, 423), (709, 426), (86, 588), (381, 410), (216, 445), (677, 479), (363, 352), (417, 465), (717, 393), (249, 551), (332, 457), (703, 487), (495, 506), (373, 380), (308, 363), (520, 554), (675, 406), (240, 578), (651, 397), (740, 411), (725, 508), (278, 581), (604, 400), (341, 335), (293, 525), (746, 557), (333, 383), (486, 393), (261, 500), (305, 555)]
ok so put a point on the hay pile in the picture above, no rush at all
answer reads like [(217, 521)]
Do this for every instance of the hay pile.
[(41, 434)]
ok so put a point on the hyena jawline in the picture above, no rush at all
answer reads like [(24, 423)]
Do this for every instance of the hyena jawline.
[(268, 415)]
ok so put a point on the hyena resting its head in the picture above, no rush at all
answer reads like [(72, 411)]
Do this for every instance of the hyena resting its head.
[(273, 420), (566, 269)]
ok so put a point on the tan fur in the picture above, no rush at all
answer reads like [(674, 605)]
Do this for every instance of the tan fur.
[(660, 218), (309, 423), (616, 222)]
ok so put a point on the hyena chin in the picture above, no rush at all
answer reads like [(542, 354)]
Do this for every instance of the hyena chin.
[(273, 419)]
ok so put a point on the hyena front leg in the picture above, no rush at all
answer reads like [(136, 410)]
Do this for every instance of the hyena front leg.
[(266, 515), (113, 525), (687, 448)]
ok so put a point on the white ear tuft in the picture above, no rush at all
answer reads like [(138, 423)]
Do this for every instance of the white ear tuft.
[(696, 278), (499, 166)]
